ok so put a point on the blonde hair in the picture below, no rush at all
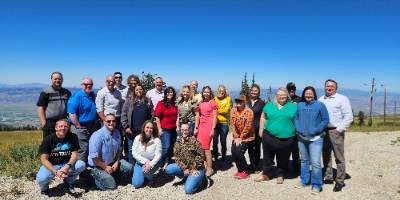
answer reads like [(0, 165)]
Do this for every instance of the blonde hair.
[(225, 90), (180, 97), (281, 89)]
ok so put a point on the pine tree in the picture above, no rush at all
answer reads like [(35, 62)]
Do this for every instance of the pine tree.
[(253, 81), (245, 89)]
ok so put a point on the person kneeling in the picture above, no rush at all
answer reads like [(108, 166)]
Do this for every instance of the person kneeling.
[(146, 150), (104, 155), (189, 158), (243, 133), (58, 155)]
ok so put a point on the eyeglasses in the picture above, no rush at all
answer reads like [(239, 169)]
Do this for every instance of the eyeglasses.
[(109, 121), (88, 84), (110, 81)]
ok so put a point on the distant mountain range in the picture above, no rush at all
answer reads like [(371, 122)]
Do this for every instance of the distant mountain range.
[(28, 94)]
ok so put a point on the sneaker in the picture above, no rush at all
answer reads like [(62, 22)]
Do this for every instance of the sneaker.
[(45, 192), (315, 190), (236, 175), (300, 186), (243, 175)]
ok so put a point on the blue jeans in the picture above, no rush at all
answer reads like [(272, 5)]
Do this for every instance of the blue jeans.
[(310, 154), (44, 176), (106, 181), (139, 175), (168, 139), (221, 131), (192, 183), (130, 139)]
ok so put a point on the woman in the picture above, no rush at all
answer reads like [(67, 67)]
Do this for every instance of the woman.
[(189, 157), (206, 119), (186, 109), (166, 115), (136, 110), (311, 120), (256, 105), (243, 135), (223, 102), (277, 135), (146, 150)]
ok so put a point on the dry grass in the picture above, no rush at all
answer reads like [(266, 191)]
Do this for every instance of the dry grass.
[(11, 138)]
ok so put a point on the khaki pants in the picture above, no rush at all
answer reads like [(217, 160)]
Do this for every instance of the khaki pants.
[(334, 142)]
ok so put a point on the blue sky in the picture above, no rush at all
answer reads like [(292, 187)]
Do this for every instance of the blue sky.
[(211, 41)]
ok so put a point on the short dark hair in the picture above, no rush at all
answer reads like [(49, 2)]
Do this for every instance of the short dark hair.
[(56, 72), (291, 86), (331, 80)]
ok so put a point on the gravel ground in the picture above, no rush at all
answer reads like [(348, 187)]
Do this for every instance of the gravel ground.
[(373, 161)]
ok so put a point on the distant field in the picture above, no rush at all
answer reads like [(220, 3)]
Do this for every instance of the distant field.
[(10, 138), (392, 124)]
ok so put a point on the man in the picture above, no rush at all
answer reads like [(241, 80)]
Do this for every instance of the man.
[(52, 104), (132, 81), (340, 117), (104, 155), (58, 155), (82, 115), (157, 93), (193, 87), (109, 100), (291, 87), (118, 81)]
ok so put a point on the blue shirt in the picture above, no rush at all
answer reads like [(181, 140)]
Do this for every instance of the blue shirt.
[(83, 106), (105, 145)]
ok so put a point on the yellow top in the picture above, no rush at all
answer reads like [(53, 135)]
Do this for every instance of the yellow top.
[(224, 107)]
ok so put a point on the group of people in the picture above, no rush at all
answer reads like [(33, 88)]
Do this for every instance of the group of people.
[(128, 131)]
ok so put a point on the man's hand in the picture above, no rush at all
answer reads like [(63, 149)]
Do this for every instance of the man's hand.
[(60, 174), (65, 169), (108, 169), (186, 172), (115, 166), (128, 131)]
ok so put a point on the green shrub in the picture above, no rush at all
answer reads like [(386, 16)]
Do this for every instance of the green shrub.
[(20, 160)]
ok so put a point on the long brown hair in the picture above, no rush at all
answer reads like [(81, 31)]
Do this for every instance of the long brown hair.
[(143, 138), (135, 98)]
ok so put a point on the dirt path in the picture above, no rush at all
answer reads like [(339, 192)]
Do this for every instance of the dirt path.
[(373, 161)]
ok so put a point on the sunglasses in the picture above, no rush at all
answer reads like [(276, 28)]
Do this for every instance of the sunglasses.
[(109, 121), (110, 81), (119, 77), (88, 84)]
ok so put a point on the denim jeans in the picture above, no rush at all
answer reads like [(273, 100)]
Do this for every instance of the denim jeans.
[(310, 154), (221, 131), (192, 183), (139, 175), (168, 139), (44, 176), (130, 139), (106, 181)]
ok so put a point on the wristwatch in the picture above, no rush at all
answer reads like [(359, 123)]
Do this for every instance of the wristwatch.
[(69, 165)]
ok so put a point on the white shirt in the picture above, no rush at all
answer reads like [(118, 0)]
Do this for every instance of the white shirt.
[(152, 152), (155, 96), (126, 93), (339, 110), (109, 102)]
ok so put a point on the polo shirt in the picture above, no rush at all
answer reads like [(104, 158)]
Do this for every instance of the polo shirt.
[(155, 96), (83, 106)]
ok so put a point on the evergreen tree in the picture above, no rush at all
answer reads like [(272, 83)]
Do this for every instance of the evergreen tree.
[(245, 89), (361, 118)]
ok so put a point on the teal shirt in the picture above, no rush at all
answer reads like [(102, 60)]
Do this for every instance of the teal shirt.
[(280, 123)]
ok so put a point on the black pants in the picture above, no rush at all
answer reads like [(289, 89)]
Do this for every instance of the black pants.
[(255, 149), (49, 127), (279, 147), (238, 155), (295, 156)]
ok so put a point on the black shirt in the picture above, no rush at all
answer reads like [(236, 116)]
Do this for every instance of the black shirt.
[(257, 111), (59, 150)]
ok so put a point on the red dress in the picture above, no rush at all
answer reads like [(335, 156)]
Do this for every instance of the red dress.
[(206, 121)]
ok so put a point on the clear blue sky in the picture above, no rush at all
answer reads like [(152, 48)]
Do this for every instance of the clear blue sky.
[(211, 41)]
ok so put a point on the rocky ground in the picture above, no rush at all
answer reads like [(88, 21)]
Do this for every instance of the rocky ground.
[(373, 161)]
